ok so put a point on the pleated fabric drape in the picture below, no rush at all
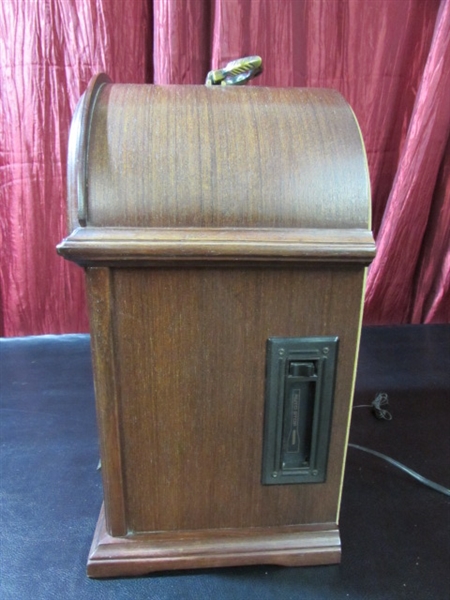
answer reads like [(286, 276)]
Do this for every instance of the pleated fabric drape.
[(409, 280), (49, 51), (390, 60)]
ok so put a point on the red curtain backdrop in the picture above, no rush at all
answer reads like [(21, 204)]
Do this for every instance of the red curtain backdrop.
[(390, 60)]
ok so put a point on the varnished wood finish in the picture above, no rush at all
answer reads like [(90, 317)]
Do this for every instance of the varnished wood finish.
[(146, 247), (211, 220), (189, 360), (108, 395), (192, 156), (77, 160), (287, 546)]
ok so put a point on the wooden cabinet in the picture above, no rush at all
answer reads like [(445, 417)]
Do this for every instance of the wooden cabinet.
[(209, 221)]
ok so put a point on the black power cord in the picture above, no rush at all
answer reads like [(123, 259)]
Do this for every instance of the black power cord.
[(381, 399), (417, 476), (383, 414)]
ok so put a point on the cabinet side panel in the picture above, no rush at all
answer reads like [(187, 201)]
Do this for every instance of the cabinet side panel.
[(192, 348)]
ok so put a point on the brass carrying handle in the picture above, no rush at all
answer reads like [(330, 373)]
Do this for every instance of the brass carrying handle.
[(236, 72)]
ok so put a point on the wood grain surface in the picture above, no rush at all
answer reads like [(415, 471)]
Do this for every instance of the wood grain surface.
[(189, 366), (286, 546), (209, 220), (192, 156), (121, 246)]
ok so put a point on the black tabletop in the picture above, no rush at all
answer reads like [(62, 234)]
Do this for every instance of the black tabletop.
[(395, 532)]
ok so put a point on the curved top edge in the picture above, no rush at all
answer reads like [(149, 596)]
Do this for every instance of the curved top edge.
[(78, 150), (366, 164), (89, 204), (231, 89)]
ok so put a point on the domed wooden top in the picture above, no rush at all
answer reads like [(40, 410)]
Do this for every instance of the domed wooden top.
[(238, 165)]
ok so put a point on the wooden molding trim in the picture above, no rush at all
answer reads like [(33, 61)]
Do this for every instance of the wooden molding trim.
[(145, 246), (299, 545), (77, 188)]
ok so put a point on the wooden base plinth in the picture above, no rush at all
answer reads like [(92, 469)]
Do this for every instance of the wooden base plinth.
[(139, 554)]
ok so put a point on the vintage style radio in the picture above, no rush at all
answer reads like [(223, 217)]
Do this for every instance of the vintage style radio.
[(225, 233)]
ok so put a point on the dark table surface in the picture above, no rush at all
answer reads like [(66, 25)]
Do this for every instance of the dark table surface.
[(395, 532)]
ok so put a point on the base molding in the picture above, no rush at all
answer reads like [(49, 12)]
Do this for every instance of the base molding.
[(138, 554)]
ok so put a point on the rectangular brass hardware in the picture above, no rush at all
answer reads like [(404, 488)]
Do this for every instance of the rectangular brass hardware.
[(300, 374)]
